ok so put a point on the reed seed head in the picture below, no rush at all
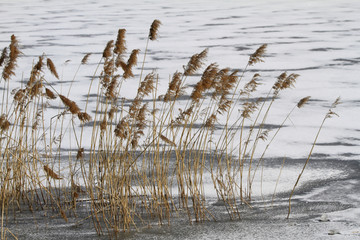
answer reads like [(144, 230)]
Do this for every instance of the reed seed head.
[(174, 89), (50, 173), (84, 117), (196, 62), (258, 55), (303, 101), (51, 67), (121, 129), (4, 123), (108, 48), (49, 94), (4, 56), (166, 140), (85, 59), (80, 154), (112, 112), (153, 34), (73, 107), (120, 44)]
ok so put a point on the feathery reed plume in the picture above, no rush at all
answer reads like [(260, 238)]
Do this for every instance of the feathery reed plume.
[(210, 122), (336, 102), (224, 105), (205, 83), (50, 173), (133, 58), (80, 153), (264, 135), (147, 86), (185, 113), (112, 112), (3, 56), (249, 108), (103, 124), (49, 94), (251, 85), (258, 55), (303, 101), (121, 129), (174, 89), (110, 90), (331, 113), (84, 117), (85, 59), (196, 62), (36, 89), (120, 44), (289, 81), (153, 34), (168, 141), (9, 68), (140, 125), (107, 50), (279, 82), (19, 95), (4, 123), (51, 67), (132, 61), (73, 107), (35, 72)]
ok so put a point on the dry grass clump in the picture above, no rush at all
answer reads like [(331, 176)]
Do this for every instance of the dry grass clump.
[(146, 159)]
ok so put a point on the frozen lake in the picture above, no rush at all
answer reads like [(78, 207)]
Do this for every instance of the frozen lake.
[(320, 40)]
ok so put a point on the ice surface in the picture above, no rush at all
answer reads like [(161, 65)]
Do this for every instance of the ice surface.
[(317, 39)]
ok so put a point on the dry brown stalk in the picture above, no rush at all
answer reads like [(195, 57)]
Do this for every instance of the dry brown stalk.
[(50, 94), (63, 215), (51, 67), (73, 107), (303, 101), (258, 55), (153, 34), (50, 173), (120, 44)]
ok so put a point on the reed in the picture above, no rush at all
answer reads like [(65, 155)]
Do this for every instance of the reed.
[(147, 157)]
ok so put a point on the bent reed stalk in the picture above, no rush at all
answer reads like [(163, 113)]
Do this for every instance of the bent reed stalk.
[(148, 157)]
